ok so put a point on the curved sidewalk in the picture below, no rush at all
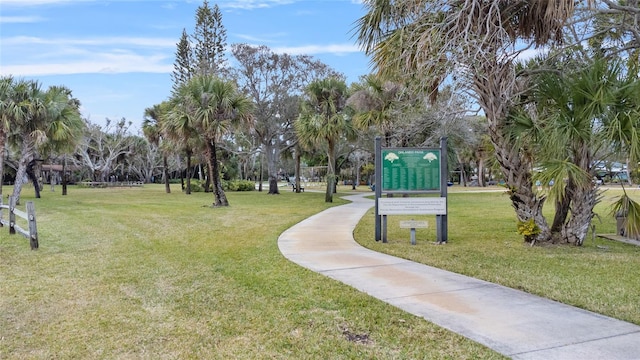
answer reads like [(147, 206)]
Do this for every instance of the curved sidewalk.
[(511, 322)]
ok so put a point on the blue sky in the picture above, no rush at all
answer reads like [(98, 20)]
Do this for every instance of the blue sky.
[(117, 56)]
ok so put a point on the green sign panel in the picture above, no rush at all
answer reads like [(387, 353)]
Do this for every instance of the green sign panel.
[(406, 169)]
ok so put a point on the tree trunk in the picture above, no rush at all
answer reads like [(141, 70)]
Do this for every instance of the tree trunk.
[(463, 175), (358, 177), (583, 197), (481, 181), (3, 142), (218, 192), (165, 174), (513, 163), (31, 173), (516, 171), (260, 175), (28, 147), (297, 175), (187, 190), (561, 211), (64, 175), (583, 200), (331, 172), (207, 180), (272, 157)]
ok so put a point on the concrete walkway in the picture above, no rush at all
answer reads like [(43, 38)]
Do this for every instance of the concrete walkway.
[(513, 323)]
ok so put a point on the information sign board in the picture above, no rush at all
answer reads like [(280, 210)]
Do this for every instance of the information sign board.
[(410, 169)]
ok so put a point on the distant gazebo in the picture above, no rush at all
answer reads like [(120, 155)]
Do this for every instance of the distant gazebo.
[(54, 171)]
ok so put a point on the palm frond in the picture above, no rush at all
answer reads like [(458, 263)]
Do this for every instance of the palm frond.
[(555, 174), (629, 210)]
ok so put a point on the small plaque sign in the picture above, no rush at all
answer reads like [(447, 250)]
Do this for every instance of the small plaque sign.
[(413, 224)]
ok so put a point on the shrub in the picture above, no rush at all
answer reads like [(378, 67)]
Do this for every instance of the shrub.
[(238, 185), (197, 186), (529, 229)]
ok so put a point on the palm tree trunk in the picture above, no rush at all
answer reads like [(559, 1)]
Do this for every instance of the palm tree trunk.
[(297, 175), (165, 173), (207, 180), (562, 212), (331, 172), (583, 201), (496, 84), (3, 142), (188, 189), (182, 173), (28, 147), (583, 197), (518, 178), (218, 192), (31, 174), (64, 175)]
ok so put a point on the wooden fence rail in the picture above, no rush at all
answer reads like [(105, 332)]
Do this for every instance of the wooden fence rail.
[(30, 216)]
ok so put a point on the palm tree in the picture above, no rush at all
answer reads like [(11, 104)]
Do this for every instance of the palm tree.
[(179, 128), (65, 128), (376, 103), (578, 114), (323, 121), (8, 110), (216, 107), (152, 129), (26, 127), (422, 42), (43, 118)]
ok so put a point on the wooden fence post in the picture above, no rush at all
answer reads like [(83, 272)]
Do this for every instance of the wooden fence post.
[(33, 230), (12, 215)]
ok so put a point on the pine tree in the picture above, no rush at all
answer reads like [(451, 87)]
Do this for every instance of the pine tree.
[(210, 39), (183, 66)]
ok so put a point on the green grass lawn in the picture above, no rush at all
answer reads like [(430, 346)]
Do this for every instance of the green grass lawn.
[(135, 273), (600, 276)]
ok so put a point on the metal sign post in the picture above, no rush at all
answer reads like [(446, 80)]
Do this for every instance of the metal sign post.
[(377, 185)]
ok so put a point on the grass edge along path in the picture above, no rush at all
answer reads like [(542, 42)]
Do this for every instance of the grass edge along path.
[(600, 276), (137, 273)]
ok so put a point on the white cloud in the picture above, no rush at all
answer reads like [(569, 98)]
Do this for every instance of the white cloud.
[(20, 19), (337, 49), (109, 63), (36, 2), (253, 4), (529, 54), (99, 41), (265, 38)]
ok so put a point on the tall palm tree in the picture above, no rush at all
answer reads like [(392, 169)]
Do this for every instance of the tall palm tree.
[(65, 128), (26, 127), (45, 118), (180, 129), (216, 108), (323, 121), (152, 126)]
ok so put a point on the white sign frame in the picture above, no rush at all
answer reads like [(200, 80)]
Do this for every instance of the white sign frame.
[(412, 206)]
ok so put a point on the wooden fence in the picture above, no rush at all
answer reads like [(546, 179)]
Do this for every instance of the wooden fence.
[(31, 232)]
